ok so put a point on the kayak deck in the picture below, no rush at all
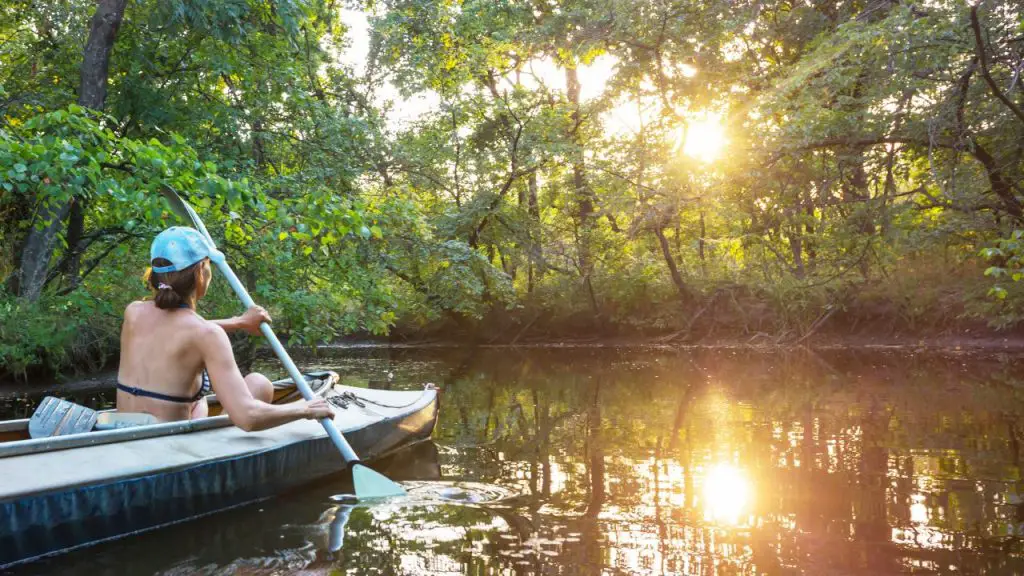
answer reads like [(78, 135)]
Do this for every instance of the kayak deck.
[(62, 498), (166, 446)]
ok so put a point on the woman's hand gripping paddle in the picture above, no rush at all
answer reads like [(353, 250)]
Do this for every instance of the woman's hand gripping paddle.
[(368, 483)]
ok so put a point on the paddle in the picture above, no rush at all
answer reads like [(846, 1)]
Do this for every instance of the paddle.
[(57, 417), (368, 483)]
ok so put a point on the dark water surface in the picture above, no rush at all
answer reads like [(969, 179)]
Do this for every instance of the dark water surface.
[(626, 461)]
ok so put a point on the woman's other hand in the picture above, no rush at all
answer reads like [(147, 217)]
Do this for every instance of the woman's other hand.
[(319, 408), (253, 317)]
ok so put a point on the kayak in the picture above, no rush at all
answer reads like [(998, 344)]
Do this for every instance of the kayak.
[(66, 492)]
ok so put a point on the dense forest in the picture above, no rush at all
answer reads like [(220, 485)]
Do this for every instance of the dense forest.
[(512, 170)]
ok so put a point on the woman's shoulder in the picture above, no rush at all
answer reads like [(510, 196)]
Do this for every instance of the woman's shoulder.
[(135, 308), (208, 329)]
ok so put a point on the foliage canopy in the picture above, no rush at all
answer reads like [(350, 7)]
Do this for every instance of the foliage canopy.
[(520, 167)]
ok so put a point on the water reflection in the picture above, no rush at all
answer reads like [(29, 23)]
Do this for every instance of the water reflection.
[(626, 462), (726, 492)]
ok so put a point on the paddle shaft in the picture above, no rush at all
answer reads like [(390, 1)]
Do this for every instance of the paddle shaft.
[(217, 258), (293, 371)]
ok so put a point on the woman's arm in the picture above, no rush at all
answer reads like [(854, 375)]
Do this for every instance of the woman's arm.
[(249, 321), (247, 412)]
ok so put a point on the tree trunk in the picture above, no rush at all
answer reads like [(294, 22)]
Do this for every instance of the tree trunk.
[(76, 229), (37, 250), (666, 251), (92, 93), (1001, 185), (536, 254), (584, 196), (796, 246), (812, 254), (96, 58), (859, 192), (700, 246)]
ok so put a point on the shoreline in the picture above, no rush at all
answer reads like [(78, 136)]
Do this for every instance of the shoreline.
[(951, 345)]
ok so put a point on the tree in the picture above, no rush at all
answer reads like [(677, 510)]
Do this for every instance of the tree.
[(41, 240)]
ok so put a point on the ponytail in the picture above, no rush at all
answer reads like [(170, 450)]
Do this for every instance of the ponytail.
[(172, 289)]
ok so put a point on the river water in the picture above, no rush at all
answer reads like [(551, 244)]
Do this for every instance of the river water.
[(644, 461)]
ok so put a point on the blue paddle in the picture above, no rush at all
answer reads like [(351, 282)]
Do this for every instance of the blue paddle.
[(368, 482)]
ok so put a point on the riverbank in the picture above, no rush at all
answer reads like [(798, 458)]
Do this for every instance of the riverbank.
[(980, 346), (950, 343), (940, 310)]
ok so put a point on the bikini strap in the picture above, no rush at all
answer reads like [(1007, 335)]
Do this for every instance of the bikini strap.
[(158, 396)]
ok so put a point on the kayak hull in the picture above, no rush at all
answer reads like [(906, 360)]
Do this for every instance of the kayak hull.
[(184, 476)]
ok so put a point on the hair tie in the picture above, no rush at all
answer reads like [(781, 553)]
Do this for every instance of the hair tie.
[(163, 286)]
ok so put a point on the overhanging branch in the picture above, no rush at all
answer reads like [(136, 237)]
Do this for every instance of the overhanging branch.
[(979, 47)]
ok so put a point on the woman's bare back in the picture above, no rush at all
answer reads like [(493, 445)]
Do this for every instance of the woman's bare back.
[(160, 353)]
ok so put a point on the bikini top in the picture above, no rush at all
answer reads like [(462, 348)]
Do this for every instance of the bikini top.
[(204, 389)]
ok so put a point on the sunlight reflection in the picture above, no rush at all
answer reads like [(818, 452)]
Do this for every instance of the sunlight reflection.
[(918, 510), (726, 494)]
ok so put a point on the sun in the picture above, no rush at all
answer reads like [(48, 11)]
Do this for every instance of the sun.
[(705, 138)]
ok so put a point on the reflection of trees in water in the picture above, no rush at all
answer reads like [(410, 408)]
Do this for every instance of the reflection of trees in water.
[(870, 521), (830, 442), (862, 464)]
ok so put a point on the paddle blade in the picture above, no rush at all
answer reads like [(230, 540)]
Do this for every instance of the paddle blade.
[(58, 417), (184, 211), (372, 484), (177, 204)]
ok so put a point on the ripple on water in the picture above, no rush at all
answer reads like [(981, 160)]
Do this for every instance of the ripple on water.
[(436, 492)]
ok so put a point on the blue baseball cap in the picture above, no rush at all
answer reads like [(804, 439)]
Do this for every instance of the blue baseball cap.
[(181, 246)]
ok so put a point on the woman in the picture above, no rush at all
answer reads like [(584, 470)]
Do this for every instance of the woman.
[(170, 355)]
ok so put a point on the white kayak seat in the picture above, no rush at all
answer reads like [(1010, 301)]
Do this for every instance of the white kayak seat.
[(114, 420)]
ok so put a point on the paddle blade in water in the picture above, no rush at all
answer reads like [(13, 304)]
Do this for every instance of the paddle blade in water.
[(372, 484)]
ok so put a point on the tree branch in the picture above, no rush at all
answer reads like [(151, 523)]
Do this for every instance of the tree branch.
[(96, 261), (979, 46)]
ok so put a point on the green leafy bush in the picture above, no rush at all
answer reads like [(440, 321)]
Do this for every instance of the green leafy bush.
[(53, 334)]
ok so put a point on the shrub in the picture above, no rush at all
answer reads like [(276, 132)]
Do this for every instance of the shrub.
[(54, 334)]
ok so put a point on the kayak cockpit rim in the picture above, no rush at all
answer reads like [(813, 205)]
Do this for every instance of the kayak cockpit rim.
[(13, 425)]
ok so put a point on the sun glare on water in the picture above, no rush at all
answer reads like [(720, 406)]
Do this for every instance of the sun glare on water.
[(704, 138), (726, 494)]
